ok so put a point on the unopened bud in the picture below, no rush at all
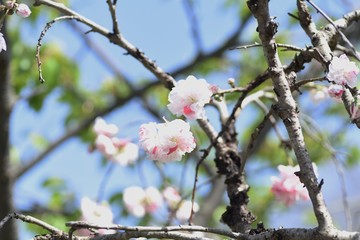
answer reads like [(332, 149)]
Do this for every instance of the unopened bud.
[(231, 82)]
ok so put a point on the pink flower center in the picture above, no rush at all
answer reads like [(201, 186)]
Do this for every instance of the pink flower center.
[(171, 150), (187, 110), (154, 150)]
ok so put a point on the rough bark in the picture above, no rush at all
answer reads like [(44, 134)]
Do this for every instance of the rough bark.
[(287, 110), (9, 232)]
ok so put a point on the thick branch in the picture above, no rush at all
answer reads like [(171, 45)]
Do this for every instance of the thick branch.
[(287, 110)]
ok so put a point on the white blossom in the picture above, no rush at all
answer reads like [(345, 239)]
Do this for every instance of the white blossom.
[(127, 152), (95, 213), (184, 211), (167, 142), (342, 71), (102, 127), (139, 201), (2, 43), (105, 145), (23, 10), (189, 96)]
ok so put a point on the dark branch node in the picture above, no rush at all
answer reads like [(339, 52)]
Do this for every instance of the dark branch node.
[(271, 28), (321, 184)]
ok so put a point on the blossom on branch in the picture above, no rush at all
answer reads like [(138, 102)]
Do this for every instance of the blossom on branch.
[(95, 213), (10, 4), (342, 71), (189, 96), (2, 43), (335, 91), (139, 201), (23, 10), (167, 142), (288, 188)]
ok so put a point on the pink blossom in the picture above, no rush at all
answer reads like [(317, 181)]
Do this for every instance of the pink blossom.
[(335, 91), (287, 187), (2, 43), (214, 88), (139, 201), (95, 213), (189, 96), (101, 127), (355, 110), (342, 71), (23, 10), (167, 142)]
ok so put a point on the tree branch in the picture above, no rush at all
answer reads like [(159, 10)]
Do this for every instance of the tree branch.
[(287, 110), (117, 39)]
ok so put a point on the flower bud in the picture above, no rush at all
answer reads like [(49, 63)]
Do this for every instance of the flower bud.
[(23, 10)]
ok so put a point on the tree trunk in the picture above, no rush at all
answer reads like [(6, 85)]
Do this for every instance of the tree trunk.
[(9, 231)]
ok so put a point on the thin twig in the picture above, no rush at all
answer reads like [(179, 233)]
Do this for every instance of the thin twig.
[(306, 81), (105, 180), (282, 45), (112, 9), (319, 136), (344, 38), (82, 225), (31, 220), (194, 24), (43, 32)]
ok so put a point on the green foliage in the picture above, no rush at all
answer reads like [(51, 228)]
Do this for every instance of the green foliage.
[(353, 156), (38, 141), (60, 206), (261, 200)]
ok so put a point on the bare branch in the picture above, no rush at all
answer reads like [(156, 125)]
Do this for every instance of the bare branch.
[(31, 220), (194, 24), (345, 39), (43, 32), (287, 110), (117, 39), (112, 9)]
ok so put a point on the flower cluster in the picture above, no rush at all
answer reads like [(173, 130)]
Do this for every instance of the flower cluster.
[(95, 213), (167, 141), (175, 203), (287, 187), (189, 96), (20, 9), (139, 201), (342, 72), (121, 151)]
